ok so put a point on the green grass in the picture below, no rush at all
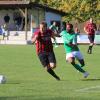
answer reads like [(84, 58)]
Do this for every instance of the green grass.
[(27, 79)]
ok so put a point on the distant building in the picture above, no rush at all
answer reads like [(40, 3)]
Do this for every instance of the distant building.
[(31, 12)]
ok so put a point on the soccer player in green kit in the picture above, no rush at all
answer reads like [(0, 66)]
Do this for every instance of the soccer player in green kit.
[(72, 50), (54, 28)]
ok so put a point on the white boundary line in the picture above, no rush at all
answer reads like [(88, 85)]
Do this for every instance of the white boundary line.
[(86, 89)]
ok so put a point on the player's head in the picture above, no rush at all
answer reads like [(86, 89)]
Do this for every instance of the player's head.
[(91, 20), (43, 26), (69, 28)]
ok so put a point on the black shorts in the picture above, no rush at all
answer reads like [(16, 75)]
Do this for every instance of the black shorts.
[(47, 58), (91, 38)]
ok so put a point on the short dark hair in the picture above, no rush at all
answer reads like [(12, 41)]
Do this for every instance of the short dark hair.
[(44, 23), (71, 26)]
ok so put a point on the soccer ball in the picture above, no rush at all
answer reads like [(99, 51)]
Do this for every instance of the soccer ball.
[(2, 79)]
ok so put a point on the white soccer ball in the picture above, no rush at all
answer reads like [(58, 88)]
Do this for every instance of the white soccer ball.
[(2, 79)]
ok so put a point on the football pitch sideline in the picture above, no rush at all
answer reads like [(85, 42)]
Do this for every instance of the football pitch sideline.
[(26, 79)]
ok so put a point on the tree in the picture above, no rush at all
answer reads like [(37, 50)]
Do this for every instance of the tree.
[(79, 10)]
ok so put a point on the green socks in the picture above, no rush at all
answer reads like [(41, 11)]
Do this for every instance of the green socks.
[(78, 67)]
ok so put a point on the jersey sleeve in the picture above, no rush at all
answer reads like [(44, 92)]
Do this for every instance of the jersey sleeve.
[(35, 34)]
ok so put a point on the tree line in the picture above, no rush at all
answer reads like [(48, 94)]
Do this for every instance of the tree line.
[(80, 10)]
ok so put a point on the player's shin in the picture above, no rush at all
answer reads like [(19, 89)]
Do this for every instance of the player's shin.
[(90, 49), (50, 71), (78, 67), (82, 64)]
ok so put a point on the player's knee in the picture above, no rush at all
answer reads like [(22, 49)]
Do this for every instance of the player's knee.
[(70, 60), (92, 43), (82, 64), (52, 65)]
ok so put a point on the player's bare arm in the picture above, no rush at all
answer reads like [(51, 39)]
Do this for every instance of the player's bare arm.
[(55, 35), (85, 30), (34, 38)]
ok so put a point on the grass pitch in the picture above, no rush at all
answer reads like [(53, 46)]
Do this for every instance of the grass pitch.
[(27, 79)]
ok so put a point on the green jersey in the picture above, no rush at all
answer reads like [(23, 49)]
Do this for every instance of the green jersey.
[(75, 38), (69, 39), (54, 28)]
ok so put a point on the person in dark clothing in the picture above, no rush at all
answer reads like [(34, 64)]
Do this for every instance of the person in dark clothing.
[(6, 18), (18, 22), (90, 29), (44, 48)]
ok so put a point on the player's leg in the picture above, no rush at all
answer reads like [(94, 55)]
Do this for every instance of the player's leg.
[(45, 62), (80, 69), (77, 66), (52, 60), (80, 58), (89, 48), (83, 64), (92, 43), (50, 71), (81, 61), (71, 59), (52, 64), (91, 39)]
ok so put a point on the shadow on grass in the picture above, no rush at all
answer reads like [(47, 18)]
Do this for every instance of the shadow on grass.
[(46, 98), (13, 82), (92, 79)]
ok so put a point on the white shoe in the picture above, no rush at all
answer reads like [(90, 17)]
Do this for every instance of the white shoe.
[(86, 74)]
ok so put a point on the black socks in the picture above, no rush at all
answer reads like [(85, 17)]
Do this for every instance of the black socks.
[(90, 50), (50, 71)]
